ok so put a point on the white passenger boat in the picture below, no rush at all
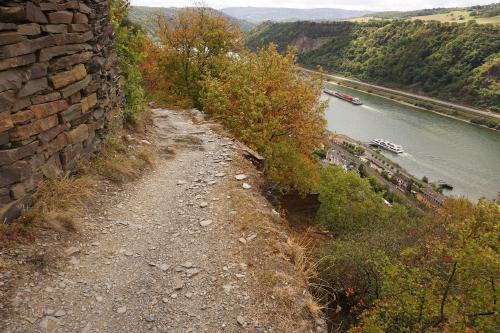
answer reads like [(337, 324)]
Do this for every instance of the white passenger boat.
[(387, 145)]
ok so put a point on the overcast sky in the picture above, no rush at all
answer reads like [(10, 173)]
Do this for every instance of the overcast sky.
[(377, 5)]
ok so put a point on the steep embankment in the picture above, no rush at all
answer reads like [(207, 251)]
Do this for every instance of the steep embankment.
[(458, 62), (187, 248)]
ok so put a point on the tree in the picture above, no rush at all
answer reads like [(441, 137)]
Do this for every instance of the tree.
[(348, 202), (366, 232), (197, 44), (267, 103), (448, 282), (149, 67), (484, 82)]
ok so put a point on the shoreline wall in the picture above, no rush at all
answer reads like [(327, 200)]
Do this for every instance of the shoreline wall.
[(59, 86)]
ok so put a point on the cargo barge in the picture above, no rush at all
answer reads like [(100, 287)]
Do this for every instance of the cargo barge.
[(345, 97)]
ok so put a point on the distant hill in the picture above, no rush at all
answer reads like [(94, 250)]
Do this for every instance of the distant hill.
[(481, 14), (479, 11), (143, 15), (261, 14)]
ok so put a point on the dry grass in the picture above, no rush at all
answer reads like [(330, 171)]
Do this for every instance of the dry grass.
[(170, 151), (58, 202), (125, 167), (147, 155), (62, 221), (57, 205), (121, 162), (285, 266), (14, 232), (142, 121), (63, 194), (301, 257), (290, 289)]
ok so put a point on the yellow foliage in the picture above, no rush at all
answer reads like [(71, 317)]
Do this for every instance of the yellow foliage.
[(267, 103), (196, 45)]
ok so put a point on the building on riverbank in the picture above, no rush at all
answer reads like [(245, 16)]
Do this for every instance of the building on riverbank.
[(431, 198), (341, 158), (404, 182)]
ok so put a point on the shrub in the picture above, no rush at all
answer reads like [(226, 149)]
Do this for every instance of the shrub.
[(129, 41)]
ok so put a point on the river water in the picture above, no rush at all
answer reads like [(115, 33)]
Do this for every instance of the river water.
[(441, 148)]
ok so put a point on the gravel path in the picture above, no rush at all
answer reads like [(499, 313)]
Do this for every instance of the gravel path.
[(161, 255)]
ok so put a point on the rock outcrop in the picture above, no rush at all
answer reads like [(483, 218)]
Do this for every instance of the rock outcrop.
[(306, 44), (59, 87)]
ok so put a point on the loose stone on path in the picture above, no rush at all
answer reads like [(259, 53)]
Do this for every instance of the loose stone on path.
[(206, 223)]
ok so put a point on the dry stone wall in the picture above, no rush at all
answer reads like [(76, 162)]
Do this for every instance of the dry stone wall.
[(59, 86)]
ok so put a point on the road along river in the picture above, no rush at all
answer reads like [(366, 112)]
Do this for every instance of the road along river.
[(441, 148)]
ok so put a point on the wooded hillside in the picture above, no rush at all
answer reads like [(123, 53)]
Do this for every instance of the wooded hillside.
[(145, 16), (458, 62)]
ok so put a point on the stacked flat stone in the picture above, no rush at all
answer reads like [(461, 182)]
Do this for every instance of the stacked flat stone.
[(59, 87)]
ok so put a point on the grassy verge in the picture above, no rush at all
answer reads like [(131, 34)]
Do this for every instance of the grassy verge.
[(283, 255)]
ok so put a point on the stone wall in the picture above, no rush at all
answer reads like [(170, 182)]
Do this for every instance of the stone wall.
[(58, 88)]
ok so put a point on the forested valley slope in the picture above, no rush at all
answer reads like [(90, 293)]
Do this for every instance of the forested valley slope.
[(457, 62)]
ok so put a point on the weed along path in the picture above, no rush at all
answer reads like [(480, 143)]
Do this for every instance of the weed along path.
[(187, 248)]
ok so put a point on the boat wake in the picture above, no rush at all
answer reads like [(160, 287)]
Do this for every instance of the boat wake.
[(419, 162), (371, 108), (411, 158)]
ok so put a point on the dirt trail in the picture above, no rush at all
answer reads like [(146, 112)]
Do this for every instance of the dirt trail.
[(163, 254)]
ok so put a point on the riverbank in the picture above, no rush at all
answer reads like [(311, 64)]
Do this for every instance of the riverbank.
[(437, 147), (462, 113), (416, 106), (400, 186)]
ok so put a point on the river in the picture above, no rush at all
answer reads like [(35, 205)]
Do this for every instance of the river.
[(441, 148)]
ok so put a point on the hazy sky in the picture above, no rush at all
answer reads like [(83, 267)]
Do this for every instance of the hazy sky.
[(346, 4)]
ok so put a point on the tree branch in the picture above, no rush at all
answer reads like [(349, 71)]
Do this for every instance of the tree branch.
[(446, 292), (488, 313)]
